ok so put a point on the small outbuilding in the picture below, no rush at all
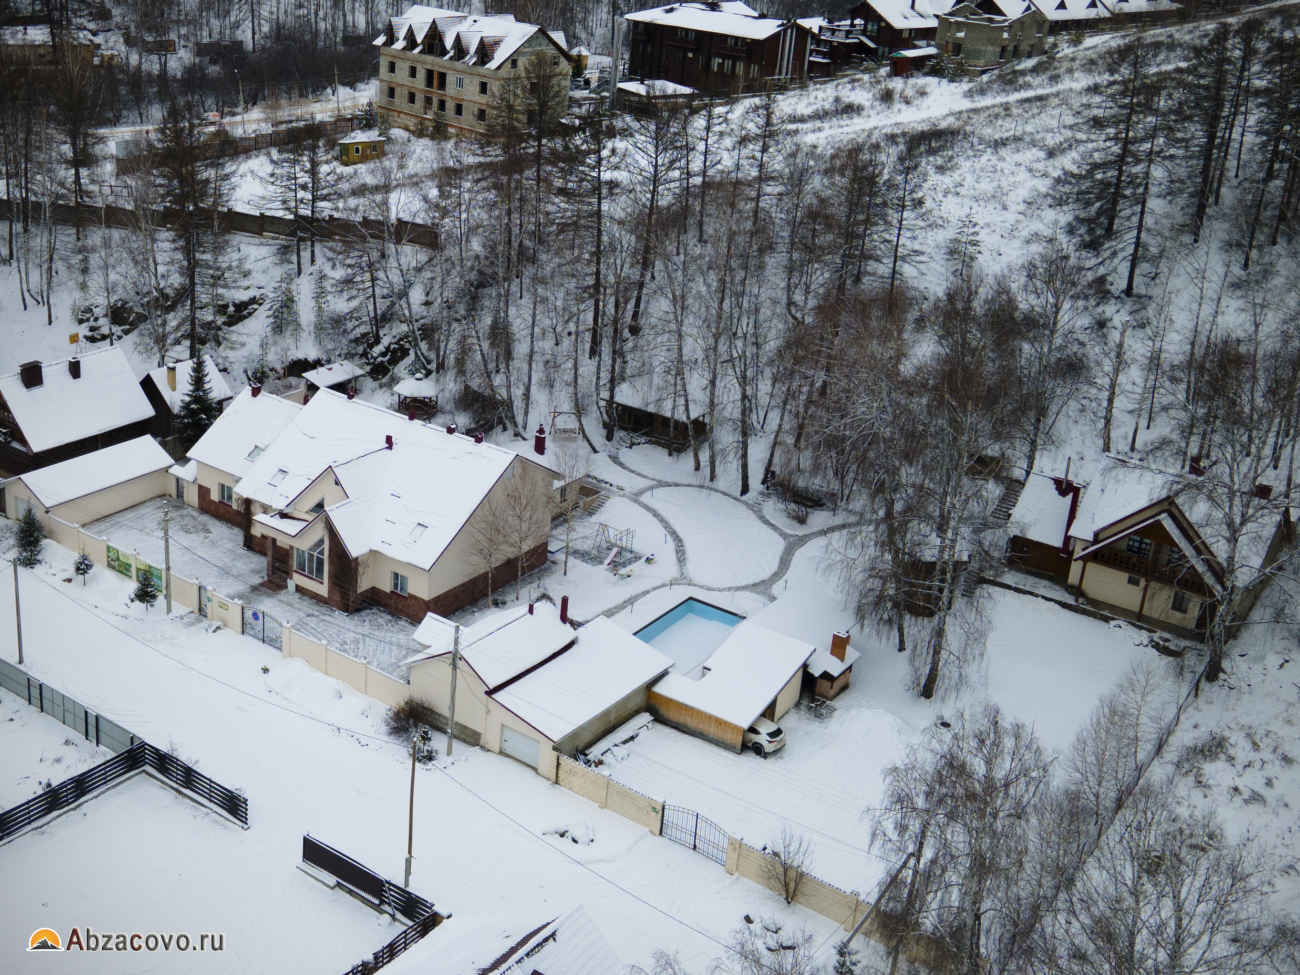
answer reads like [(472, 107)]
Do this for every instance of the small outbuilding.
[(417, 398), (911, 60), (339, 376), (93, 485), (830, 670), (166, 388), (755, 672), (360, 147)]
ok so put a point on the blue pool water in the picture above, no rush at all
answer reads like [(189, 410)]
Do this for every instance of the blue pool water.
[(689, 633)]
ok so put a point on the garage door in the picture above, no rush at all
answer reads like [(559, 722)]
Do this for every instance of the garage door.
[(520, 746)]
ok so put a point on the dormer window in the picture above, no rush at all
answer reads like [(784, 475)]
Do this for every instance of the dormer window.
[(278, 477), (318, 507), (253, 454)]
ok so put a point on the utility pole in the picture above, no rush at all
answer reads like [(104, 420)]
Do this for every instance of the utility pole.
[(18, 615), (613, 52), (455, 666), (167, 556), (410, 818)]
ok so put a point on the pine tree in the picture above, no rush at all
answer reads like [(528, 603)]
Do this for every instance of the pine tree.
[(198, 409), (30, 535), (285, 323), (146, 589), (83, 566), (846, 960)]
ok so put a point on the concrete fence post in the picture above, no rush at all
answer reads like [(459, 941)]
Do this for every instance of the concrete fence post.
[(733, 855), (604, 796)]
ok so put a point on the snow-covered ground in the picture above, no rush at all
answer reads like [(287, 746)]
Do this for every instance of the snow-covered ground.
[(311, 757), (726, 545), (38, 751)]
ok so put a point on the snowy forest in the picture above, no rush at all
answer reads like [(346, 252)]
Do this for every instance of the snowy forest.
[(867, 291)]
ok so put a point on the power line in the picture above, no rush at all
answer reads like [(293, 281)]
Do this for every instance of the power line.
[(388, 741)]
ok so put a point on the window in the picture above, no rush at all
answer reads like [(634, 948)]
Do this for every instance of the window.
[(460, 82), (442, 104), (555, 62), (410, 98), (256, 452), (428, 77), (482, 88), (226, 493), (180, 489), (392, 67), (532, 88), (356, 150), (311, 561), (428, 104), (318, 507), (392, 93), (514, 63), (442, 81), (410, 71), (399, 583), (1180, 602), (564, 493), (481, 115), (1002, 53), (460, 109), (1134, 581), (1137, 545), (956, 50)]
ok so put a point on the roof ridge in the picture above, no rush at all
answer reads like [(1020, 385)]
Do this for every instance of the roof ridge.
[(80, 355)]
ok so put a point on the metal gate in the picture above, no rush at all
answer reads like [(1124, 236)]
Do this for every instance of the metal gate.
[(695, 832), (261, 624)]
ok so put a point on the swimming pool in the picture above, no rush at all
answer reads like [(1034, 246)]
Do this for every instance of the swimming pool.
[(689, 633)]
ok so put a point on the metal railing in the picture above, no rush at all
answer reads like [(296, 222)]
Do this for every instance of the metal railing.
[(139, 756)]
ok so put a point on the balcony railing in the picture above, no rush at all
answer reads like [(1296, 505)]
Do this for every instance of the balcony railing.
[(1183, 576)]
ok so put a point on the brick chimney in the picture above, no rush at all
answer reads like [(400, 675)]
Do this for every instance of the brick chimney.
[(564, 609), (255, 390), (388, 441), (539, 440), (31, 374), (74, 368), (839, 644), (171, 376), (478, 438), (451, 428)]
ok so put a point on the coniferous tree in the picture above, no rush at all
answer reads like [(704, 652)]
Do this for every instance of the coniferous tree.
[(83, 566), (146, 589), (30, 535), (198, 409)]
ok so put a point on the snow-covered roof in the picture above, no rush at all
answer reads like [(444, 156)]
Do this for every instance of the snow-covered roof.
[(499, 35), (655, 88), (916, 52), (743, 675), (243, 431), (366, 135), (1119, 7), (500, 646), (730, 18), (1067, 10), (910, 14), (423, 388), (407, 503), (80, 476), (603, 667), (1041, 514), (332, 374), (1009, 8), (63, 410), (824, 662), (184, 380), (285, 526), (188, 471), (1118, 490), (493, 944)]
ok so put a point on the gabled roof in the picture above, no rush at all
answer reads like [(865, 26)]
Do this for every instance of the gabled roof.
[(728, 17), (407, 502), (1042, 513), (604, 666), (63, 410), (80, 476), (910, 14), (184, 380), (460, 34), (501, 646), (1069, 10), (243, 432), (743, 675)]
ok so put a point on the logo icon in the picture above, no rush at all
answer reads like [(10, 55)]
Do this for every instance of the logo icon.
[(45, 939)]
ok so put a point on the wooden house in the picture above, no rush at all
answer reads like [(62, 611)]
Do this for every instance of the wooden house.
[(714, 46), (834, 45), (339, 376), (166, 388), (899, 25), (647, 426), (360, 147), (52, 411)]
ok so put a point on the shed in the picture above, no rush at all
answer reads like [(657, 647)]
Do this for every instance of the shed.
[(755, 672), (831, 670), (338, 376), (93, 485), (360, 147), (1040, 525), (647, 426), (911, 60)]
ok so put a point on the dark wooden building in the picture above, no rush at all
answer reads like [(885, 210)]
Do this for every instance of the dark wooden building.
[(834, 45), (714, 46), (897, 25)]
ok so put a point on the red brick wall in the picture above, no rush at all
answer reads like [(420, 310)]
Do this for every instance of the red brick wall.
[(216, 509), (474, 589), (343, 575)]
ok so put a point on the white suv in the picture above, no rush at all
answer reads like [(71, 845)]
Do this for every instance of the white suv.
[(764, 737)]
